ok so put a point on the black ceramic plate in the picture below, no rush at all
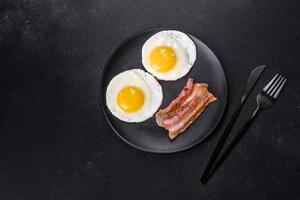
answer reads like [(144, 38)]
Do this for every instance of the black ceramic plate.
[(147, 136)]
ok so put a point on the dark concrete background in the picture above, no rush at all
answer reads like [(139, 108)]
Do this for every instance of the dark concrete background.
[(55, 143)]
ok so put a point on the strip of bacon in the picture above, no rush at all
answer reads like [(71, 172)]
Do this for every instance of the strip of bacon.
[(185, 109)]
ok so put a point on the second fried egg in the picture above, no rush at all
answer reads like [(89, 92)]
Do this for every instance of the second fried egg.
[(169, 55)]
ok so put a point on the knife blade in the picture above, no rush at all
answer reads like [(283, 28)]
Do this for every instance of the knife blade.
[(252, 80)]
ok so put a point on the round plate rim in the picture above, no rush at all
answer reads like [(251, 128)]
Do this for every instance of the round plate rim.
[(103, 100)]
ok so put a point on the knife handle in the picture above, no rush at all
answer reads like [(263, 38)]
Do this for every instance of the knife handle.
[(222, 139), (230, 147)]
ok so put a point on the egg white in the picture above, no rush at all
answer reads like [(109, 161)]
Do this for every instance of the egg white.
[(152, 90), (183, 46)]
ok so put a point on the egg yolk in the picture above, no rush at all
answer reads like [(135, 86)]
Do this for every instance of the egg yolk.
[(162, 59), (130, 99)]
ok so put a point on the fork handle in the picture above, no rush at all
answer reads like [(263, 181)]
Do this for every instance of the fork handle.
[(234, 142), (222, 141)]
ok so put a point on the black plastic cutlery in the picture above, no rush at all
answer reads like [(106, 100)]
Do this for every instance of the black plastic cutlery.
[(254, 76), (265, 99)]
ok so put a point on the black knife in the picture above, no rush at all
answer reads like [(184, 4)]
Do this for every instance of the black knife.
[(254, 76)]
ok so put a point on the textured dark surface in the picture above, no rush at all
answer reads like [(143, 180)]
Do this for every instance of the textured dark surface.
[(55, 143)]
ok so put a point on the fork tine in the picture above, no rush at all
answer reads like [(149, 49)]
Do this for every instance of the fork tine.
[(279, 89), (276, 86), (271, 89), (270, 83)]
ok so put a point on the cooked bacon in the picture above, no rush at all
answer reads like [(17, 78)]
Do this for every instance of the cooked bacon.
[(185, 109)]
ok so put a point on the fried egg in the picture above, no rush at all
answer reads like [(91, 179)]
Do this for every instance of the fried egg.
[(134, 95), (169, 55)]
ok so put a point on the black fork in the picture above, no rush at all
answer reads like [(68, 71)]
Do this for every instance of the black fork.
[(265, 99)]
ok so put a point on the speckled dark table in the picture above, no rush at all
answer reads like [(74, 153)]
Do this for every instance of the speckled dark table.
[(55, 143)]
